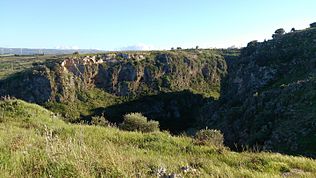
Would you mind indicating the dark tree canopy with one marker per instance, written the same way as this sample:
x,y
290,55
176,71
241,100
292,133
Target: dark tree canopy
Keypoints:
x,y
279,32
251,47
312,25
252,43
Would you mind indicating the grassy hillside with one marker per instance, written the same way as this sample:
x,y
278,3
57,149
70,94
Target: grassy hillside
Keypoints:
x,y
36,143
12,64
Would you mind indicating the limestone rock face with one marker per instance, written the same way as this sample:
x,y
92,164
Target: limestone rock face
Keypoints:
x,y
136,76
121,74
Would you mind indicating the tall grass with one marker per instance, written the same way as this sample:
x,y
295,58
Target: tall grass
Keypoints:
x,y
36,143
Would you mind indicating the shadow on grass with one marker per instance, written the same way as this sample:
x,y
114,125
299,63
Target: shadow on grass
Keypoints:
x,y
175,111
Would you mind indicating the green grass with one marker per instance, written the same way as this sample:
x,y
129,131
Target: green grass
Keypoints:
x,y
35,143
13,64
85,104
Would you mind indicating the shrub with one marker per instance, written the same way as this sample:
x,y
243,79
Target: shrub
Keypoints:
x,y
253,43
209,137
279,32
100,120
138,122
251,47
312,25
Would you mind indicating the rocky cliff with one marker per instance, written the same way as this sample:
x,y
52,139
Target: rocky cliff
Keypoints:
x,y
268,98
80,86
119,74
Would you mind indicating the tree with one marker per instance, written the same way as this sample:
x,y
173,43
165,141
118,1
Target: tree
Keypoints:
x,y
138,122
252,43
279,32
251,47
293,30
313,25
197,47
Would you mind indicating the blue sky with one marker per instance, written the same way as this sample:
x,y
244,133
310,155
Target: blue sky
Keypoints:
x,y
147,24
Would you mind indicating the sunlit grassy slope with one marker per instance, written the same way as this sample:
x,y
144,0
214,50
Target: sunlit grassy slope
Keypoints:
x,y
13,64
36,143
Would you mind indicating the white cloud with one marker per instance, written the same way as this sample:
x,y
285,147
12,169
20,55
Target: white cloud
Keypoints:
x,y
67,47
138,47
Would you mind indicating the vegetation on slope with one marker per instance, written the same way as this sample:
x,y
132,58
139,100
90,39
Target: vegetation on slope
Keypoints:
x,y
156,80
267,91
36,143
268,97
12,64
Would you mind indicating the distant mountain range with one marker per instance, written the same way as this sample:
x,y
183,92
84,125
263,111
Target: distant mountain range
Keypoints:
x,y
30,51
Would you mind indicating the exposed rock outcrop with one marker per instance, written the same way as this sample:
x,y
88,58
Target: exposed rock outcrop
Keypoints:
x,y
121,74
268,96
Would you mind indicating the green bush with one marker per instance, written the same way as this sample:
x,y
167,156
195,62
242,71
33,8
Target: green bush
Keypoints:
x,y
313,25
209,137
138,122
279,32
100,120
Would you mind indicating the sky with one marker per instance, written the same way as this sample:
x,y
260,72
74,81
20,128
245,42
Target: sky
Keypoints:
x,y
147,24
